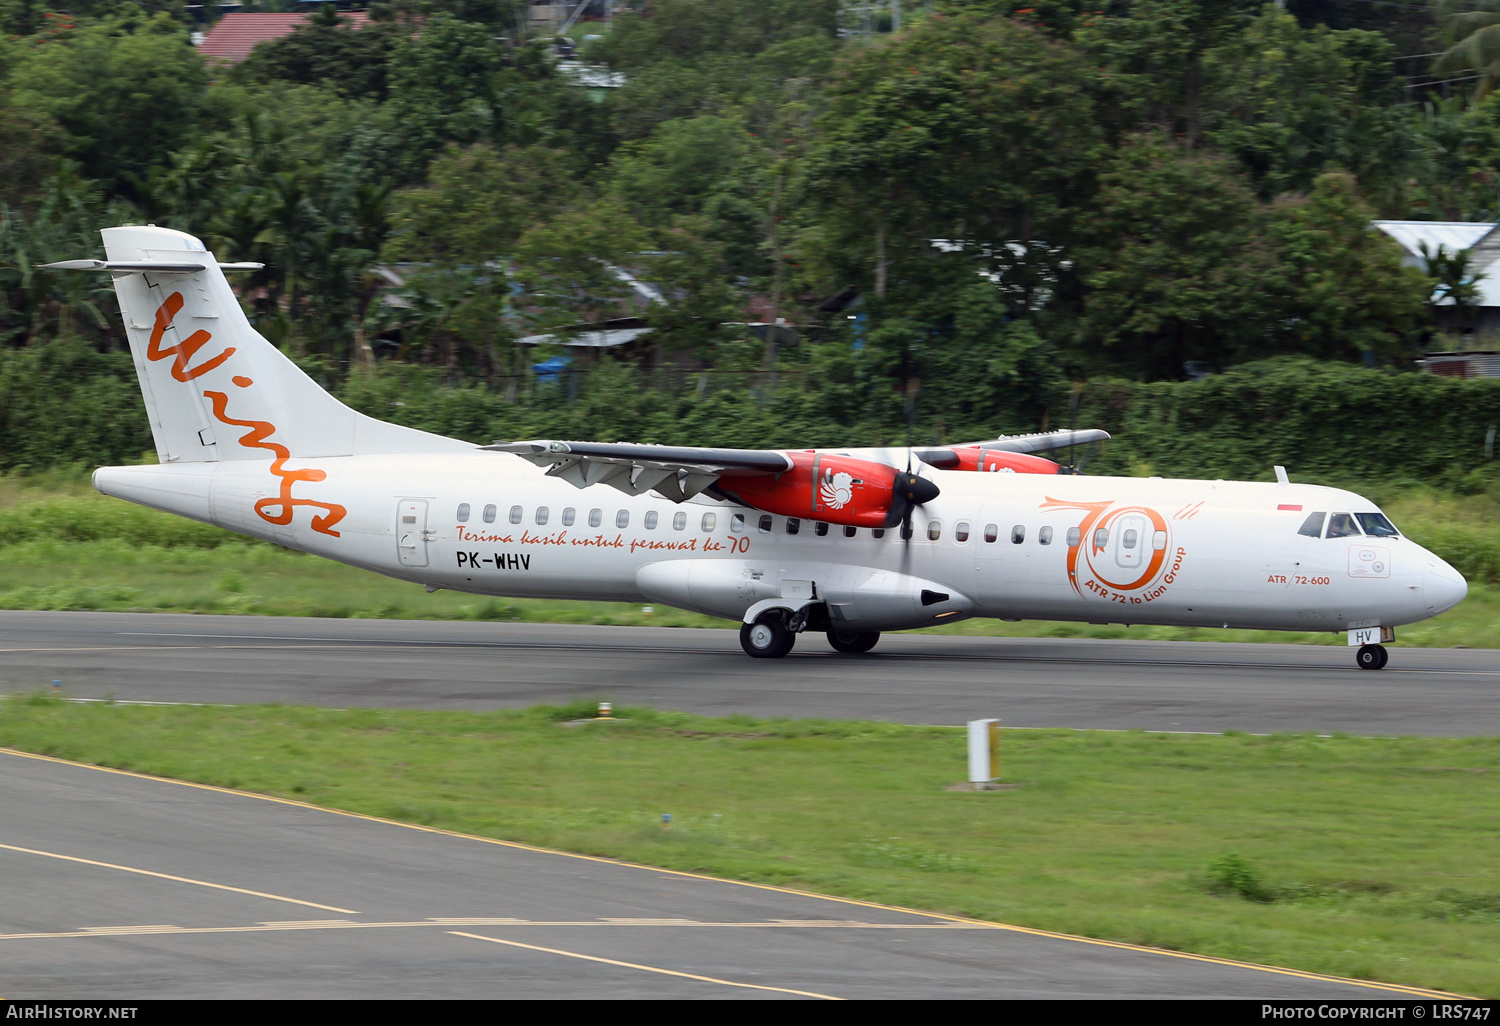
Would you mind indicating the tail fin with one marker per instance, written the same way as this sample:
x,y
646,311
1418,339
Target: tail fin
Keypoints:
x,y
215,389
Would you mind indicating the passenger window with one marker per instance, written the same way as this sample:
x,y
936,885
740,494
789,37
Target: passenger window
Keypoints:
x,y
1044,536
596,517
906,532
463,512
569,515
1159,540
651,520
515,514
991,532
820,529
850,532
679,521
961,531
489,514
934,530
1101,538
1313,525
1342,525
709,520
737,523
764,525
793,525
622,519
877,532
1075,535
1130,539
1376,525
541,515
1017,534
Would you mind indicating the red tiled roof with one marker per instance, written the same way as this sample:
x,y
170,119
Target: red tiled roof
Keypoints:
x,y
235,35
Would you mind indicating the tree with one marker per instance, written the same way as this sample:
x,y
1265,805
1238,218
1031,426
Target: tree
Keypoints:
x,y
1452,280
478,201
126,93
1179,266
442,83
966,128
1347,295
568,264
327,51
1472,32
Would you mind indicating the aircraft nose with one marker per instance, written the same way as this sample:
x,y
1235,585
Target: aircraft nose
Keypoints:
x,y
1444,586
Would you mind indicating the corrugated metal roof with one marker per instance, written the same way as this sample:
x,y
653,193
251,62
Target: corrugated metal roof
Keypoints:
x,y
1451,235
1454,236
590,339
236,35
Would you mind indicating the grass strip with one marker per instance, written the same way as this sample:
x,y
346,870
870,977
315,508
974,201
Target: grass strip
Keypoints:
x,y
1373,858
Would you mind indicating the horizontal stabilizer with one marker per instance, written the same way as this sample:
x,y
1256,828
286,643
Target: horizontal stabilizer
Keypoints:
x,y
142,266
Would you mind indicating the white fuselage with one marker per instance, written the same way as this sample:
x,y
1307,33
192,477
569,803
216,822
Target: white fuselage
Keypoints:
x,y
1142,551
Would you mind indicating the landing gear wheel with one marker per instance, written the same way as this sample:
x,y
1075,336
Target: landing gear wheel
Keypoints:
x,y
1372,657
767,638
853,642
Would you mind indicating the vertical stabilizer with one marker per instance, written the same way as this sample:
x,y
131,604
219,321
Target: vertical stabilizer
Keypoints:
x,y
214,388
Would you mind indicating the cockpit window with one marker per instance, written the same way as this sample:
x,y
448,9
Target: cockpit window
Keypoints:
x,y
1313,525
1376,525
1342,525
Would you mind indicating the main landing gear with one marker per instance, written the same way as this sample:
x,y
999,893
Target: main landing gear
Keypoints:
x,y
853,642
772,636
767,638
1372,657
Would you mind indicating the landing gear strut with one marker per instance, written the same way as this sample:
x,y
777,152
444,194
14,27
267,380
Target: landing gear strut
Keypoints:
x,y
1372,657
768,637
853,642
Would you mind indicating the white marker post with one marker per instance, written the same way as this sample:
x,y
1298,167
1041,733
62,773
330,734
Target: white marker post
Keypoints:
x,y
984,753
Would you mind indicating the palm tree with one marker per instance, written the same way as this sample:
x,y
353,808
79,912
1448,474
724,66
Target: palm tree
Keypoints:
x,y
1474,35
1452,279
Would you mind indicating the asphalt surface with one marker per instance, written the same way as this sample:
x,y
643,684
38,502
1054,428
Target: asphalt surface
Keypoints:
x,y
908,678
118,886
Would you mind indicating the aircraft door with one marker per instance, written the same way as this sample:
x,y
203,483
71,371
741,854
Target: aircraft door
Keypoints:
x,y
412,536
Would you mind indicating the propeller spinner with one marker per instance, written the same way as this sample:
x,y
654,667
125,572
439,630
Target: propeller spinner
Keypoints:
x,y
909,492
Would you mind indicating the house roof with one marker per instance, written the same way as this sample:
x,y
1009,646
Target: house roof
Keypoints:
x,y
236,35
1455,237
1451,235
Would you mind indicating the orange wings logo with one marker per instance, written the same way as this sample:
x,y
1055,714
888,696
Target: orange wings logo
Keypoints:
x,y
260,431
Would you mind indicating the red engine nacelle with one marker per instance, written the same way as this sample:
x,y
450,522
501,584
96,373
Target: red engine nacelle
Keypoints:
x,y
834,489
972,457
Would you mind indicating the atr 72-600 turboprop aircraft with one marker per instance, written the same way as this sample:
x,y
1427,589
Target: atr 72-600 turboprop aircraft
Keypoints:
x,y
848,542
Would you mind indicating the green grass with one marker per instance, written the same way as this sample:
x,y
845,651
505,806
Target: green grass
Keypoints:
x,y
1364,857
62,546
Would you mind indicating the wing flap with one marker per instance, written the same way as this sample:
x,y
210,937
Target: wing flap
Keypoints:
x,y
674,472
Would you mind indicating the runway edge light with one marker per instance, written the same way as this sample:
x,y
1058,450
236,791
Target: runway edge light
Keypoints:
x,y
984,753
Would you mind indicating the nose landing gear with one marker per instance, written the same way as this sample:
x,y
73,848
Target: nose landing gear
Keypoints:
x,y
1372,657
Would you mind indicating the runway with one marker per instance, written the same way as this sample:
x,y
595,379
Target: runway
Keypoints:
x,y
908,678
119,886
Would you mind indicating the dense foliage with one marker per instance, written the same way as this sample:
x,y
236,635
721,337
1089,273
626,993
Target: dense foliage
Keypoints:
x,y
1011,200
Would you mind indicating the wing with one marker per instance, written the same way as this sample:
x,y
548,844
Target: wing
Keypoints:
x,y
674,472
947,456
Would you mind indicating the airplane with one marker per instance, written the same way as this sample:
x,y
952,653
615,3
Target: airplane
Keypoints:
x,y
850,543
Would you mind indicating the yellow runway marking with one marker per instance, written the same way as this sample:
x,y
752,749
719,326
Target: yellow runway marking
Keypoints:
x,y
177,879
646,968
682,874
